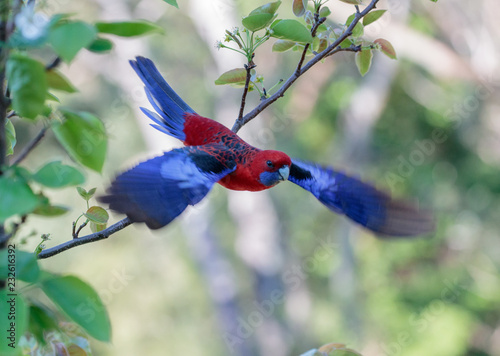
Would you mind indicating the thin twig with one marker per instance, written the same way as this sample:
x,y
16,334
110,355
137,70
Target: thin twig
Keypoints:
x,y
30,146
352,48
77,232
101,235
13,231
333,48
317,22
54,64
248,67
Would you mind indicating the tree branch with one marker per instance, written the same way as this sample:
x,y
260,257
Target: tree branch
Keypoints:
x,y
7,236
54,64
101,235
77,232
248,67
333,48
317,22
30,146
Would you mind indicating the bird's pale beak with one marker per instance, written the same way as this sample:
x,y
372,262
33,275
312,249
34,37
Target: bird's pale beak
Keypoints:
x,y
284,172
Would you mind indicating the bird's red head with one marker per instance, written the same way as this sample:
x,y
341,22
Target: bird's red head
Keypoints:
x,y
270,167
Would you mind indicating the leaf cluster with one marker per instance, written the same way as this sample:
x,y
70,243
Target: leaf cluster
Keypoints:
x,y
31,81
311,34
73,298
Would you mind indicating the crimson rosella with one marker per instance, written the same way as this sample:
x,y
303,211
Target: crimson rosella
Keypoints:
x,y
157,191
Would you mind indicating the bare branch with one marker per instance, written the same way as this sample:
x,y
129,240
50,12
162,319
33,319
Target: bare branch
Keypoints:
x,y
15,228
101,235
77,232
251,65
333,48
30,146
317,22
54,64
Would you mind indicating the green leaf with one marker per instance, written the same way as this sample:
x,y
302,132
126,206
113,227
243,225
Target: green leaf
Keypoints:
x,y
10,133
336,349
353,2
17,196
13,322
257,22
41,321
324,11
386,48
97,227
51,210
283,45
320,44
299,7
291,30
346,43
128,28
84,138
261,17
27,84
69,38
81,303
97,215
269,8
233,76
50,97
56,80
373,16
100,45
47,109
84,194
172,2
358,30
26,265
364,61
58,175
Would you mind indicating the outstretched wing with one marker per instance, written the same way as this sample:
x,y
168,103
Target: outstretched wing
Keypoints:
x,y
361,202
157,191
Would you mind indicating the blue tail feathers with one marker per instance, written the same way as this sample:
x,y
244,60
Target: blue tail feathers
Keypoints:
x,y
170,108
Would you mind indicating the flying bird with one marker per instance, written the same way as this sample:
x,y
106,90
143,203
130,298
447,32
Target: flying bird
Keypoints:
x,y
158,190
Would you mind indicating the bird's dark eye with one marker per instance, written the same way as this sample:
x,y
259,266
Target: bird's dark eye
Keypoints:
x,y
270,164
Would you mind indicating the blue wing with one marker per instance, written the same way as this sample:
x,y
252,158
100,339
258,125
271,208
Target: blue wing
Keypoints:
x,y
361,202
170,108
157,191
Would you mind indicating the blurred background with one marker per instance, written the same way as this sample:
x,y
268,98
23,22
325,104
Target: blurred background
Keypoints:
x,y
276,273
